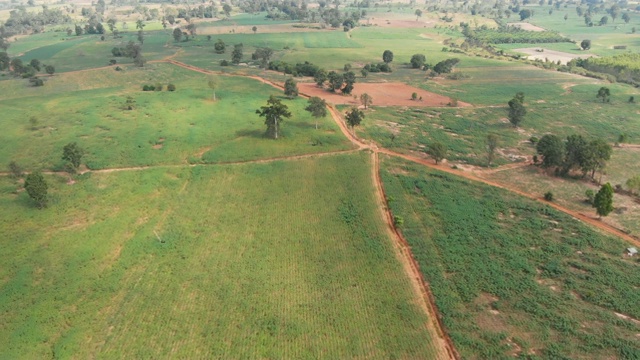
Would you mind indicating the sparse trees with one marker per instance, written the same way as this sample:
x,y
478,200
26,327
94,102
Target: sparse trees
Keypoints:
x,y
604,93
73,154
236,54
418,61
274,113
37,188
366,100
354,117
317,107
290,88
585,44
387,56
517,111
437,150
603,202
492,145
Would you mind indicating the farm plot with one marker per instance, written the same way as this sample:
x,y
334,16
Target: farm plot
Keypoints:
x,y
550,55
288,259
161,128
383,94
512,277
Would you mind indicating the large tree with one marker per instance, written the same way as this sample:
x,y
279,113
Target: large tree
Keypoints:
x,y
575,153
418,61
349,80
290,88
219,47
177,34
517,111
264,55
387,56
37,188
437,150
335,80
320,77
73,154
236,54
595,156
603,202
585,44
354,117
317,107
274,113
551,149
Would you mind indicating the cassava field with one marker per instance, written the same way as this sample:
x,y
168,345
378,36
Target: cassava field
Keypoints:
x,y
187,231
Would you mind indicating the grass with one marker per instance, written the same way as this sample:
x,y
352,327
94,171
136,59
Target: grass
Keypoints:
x,y
163,128
278,260
512,277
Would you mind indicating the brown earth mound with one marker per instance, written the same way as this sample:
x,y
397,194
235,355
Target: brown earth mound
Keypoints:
x,y
383,94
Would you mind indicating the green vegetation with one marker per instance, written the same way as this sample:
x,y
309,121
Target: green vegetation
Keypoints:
x,y
175,257
509,35
511,277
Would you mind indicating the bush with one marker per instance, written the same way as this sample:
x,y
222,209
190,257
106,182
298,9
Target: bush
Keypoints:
x,y
534,140
113,61
398,221
591,195
158,87
171,87
224,63
548,196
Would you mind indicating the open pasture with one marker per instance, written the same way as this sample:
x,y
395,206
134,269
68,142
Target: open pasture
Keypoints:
x,y
162,128
512,277
288,259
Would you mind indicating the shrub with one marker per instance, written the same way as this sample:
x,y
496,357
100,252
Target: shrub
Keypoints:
x,y
591,195
113,61
548,196
224,63
398,221
158,87
171,87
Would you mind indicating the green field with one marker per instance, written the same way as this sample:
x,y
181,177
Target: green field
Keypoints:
x,y
163,128
512,277
250,265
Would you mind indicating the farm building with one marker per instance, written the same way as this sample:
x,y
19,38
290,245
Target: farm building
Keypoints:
x,y
632,251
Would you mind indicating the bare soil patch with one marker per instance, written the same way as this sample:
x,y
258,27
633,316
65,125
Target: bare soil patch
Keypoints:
x,y
526,26
551,55
383,94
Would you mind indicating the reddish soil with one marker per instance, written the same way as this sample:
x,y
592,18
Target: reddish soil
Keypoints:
x,y
383,94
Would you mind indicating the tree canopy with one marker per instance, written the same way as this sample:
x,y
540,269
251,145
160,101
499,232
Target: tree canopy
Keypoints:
x,y
387,56
603,202
317,107
37,188
517,111
437,150
274,113
354,117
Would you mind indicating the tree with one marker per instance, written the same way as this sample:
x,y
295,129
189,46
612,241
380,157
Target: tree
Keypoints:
x,y
349,79
254,29
551,149
525,14
5,60
604,94
418,61
446,66
595,156
177,34
626,18
603,202
49,69
335,80
317,107
73,154
262,54
492,145
226,8
418,14
140,37
273,113
517,111
219,47
140,24
437,150
387,56
37,188
35,63
212,85
585,44
354,117
320,77
171,87
604,20
236,54
633,184
290,88
79,30
366,100
364,72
